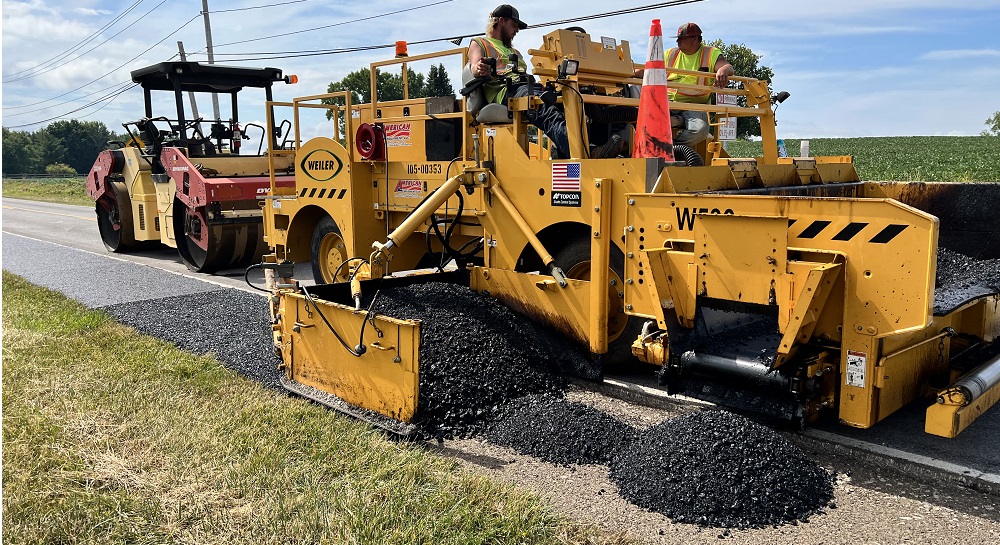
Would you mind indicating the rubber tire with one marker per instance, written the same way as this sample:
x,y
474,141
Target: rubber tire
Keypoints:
x,y
324,227
619,356
688,155
123,240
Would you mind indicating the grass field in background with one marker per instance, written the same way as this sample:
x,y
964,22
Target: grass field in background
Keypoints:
x,y
58,190
906,158
114,437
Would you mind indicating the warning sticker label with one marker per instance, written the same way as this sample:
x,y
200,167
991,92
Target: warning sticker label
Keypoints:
x,y
856,364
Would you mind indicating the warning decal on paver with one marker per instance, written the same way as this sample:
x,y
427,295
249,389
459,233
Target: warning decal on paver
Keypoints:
x,y
856,364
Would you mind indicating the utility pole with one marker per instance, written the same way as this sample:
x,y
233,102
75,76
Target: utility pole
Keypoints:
x,y
211,54
194,104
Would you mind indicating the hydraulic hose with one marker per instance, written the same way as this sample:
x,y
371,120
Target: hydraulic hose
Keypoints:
x,y
358,350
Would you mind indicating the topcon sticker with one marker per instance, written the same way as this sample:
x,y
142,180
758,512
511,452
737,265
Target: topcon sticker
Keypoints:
x,y
856,364
397,134
409,189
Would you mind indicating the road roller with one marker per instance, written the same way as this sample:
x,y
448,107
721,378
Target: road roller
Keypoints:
x,y
785,286
187,182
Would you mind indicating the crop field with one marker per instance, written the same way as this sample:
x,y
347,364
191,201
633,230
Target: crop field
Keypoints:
x,y
906,158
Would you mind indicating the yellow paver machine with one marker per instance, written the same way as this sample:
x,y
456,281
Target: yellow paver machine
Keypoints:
x,y
782,283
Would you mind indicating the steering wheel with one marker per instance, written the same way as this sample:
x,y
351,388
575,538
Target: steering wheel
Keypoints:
x,y
195,126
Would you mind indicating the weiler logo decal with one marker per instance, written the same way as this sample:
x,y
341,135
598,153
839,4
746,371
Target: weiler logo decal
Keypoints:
x,y
321,165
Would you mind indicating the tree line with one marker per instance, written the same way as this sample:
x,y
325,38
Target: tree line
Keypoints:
x,y
63,147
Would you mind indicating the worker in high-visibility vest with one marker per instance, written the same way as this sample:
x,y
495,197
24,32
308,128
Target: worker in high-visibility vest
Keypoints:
x,y
504,23
692,54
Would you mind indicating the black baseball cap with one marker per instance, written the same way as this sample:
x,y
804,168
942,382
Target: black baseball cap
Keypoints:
x,y
508,11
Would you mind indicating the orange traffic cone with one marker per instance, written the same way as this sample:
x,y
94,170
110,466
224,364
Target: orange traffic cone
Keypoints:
x,y
653,134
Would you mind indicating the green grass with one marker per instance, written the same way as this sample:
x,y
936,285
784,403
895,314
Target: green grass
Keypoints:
x,y
906,158
58,190
114,437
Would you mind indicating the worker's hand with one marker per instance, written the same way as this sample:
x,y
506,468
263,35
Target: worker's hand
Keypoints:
x,y
722,78
482,69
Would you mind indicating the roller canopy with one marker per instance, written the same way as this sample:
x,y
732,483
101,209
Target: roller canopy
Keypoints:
x,y
203,78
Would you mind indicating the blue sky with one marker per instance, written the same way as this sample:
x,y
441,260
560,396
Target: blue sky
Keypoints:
x,y
853,67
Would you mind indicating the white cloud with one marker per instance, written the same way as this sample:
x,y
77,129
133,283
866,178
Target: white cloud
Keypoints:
x,y
91,12
959,54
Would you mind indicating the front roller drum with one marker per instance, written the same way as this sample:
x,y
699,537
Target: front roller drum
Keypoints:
x,y
229,246
114,219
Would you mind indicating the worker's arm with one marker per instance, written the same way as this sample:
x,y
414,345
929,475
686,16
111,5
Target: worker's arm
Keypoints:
x,y
476,63
722,72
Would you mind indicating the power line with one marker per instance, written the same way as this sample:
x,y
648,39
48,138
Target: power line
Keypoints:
x,y
333,25
256,7
112,99
178,29
454,39
64,102
51,68
108,97
81,43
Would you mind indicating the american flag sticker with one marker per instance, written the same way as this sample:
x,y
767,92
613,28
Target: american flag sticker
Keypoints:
x,y
565,176
566,184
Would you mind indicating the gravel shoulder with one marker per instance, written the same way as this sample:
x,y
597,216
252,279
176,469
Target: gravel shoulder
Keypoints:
x,y
873,505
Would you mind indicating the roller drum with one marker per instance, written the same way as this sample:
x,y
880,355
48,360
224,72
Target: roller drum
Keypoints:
x,y
229,246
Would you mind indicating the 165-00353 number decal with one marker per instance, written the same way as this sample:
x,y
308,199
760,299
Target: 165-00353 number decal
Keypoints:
x,y
424,168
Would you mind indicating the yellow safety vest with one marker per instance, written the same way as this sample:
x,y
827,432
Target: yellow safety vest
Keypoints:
x,y
496,90
704,58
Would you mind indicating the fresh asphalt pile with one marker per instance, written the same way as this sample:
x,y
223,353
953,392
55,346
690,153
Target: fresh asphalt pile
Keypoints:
x,y
559,431
475,354
960,277
957,269
231,324
486,370
719,469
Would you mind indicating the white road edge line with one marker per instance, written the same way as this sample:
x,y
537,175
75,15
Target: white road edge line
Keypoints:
x,y
910,457
123,260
